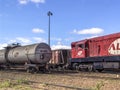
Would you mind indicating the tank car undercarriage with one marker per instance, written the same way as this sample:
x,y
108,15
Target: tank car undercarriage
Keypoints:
x,y
33,58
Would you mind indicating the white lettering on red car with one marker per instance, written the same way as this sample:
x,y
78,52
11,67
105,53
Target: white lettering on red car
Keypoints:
x,y
114,48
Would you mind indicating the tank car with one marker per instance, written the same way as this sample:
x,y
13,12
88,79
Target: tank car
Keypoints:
x,y
97,53
33,57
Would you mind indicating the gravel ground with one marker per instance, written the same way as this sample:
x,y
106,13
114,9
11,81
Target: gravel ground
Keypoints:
x,y
64,80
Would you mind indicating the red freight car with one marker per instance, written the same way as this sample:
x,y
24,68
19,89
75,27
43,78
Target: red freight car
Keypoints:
x,y
96,53
60,58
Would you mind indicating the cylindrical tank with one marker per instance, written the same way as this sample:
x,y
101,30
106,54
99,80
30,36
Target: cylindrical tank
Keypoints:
x,y
35,54
2,57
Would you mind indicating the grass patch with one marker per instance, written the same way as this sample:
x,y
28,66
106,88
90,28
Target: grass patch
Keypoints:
x,y
22,81
22,87
99,86
20,84
6,84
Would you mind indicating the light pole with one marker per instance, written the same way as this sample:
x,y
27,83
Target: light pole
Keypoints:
x,y
49,14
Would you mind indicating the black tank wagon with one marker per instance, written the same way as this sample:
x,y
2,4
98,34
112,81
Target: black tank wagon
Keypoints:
x,y
32,57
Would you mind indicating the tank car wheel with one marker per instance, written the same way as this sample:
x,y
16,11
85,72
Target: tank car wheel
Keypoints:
x,y
59,68
2,68
99,70
31,70
43,70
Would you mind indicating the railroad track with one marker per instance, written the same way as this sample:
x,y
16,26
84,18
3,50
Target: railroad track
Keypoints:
x,y
6,75
38,78
105,75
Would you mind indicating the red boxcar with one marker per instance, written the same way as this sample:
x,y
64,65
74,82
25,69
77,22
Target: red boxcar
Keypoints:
x,y
60,58
97,50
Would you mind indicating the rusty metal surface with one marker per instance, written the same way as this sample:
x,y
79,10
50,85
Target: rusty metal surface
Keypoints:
x,y
60,56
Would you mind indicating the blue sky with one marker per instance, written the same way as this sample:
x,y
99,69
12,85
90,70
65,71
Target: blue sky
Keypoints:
x,y
26,21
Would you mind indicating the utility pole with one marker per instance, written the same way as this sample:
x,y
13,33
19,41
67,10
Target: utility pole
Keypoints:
x,y
49,14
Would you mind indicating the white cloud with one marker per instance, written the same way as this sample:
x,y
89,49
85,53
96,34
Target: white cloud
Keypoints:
x,y
23,40
27,41
54,47
91,37
37,30
23,1
89,31
38,39
12,41
3,45
60,46
38,1
56,39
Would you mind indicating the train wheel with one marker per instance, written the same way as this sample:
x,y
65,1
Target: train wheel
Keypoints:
x,y
44,70
2,68
28,70
99,70
90,68
75,66
31,70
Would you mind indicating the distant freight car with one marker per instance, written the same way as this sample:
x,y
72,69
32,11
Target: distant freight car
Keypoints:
x,y
97,53
33,57
60,58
